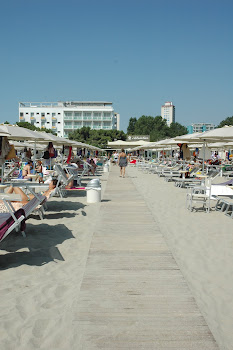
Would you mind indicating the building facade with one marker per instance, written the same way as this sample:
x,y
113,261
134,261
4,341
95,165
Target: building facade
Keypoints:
x,y
168,112
65,117
200,127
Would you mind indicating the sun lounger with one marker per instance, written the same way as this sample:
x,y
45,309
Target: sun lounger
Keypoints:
x,y
198,195
12,221
225,205
32,206
192,181
77,175
223,189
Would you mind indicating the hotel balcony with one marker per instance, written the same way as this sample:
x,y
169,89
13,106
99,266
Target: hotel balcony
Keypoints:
x,y
21,118
32,118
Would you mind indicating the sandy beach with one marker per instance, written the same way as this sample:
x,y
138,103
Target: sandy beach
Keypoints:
x,y
43,274
202,246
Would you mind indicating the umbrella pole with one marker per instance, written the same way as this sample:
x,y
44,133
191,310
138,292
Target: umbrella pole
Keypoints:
x,y
203,163
34,158
2,177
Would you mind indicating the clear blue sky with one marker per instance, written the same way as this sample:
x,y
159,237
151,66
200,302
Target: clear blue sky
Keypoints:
x,y
137,54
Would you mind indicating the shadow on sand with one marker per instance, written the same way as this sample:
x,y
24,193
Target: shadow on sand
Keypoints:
x,y
64,205
41,242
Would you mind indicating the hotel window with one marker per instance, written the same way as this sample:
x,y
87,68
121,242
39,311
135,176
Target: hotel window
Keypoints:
x,y
21,114
87,124
53,114
77,115
68,114
42,114
32,114
87,114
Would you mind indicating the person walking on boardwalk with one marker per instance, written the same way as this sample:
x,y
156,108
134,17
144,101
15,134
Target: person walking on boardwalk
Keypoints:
x,y
122,162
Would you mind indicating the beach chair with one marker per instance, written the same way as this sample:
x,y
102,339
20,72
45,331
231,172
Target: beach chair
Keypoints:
x,y
194,180
199,195
222,189
76,173
64,181
32,206
171,173
229,208
12,221
8,174
86,168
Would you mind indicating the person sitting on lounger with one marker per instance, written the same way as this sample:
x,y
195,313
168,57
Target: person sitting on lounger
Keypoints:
x,y
39,171
93,166
26,172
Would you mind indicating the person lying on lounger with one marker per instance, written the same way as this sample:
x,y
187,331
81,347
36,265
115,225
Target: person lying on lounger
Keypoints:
x,y
26,198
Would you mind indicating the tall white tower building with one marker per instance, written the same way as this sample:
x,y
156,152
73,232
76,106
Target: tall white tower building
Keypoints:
x,y
65,117
168,112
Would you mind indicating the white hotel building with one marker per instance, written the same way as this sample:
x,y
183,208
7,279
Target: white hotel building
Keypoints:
x,y
168,112
65,117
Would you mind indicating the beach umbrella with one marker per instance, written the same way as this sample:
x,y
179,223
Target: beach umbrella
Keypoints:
x,y
20,134
220,134
189,138
4,133
126,144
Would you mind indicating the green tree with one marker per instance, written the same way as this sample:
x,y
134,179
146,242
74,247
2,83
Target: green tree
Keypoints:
x,y
156,127
34,128
131,127
177,129
160,130
97,138
6,122
227,121
144,125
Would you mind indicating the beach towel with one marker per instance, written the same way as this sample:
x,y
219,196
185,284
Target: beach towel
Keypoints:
x,y
8,223
76,188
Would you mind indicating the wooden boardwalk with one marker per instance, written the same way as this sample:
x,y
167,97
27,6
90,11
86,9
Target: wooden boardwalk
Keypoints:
x,y
133,295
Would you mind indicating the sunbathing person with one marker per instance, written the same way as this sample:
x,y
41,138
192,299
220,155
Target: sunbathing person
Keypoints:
x,y
26,172
39,171
93,166
26,198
